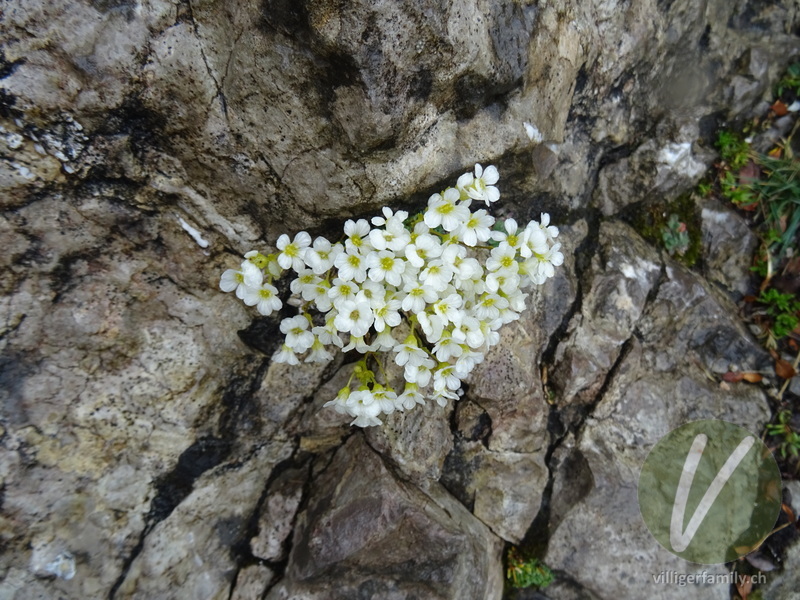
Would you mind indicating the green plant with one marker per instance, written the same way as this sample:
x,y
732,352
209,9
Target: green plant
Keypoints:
x,y
734,150
779,191
675,236
790,81
523,573
790,442
783,308
741,194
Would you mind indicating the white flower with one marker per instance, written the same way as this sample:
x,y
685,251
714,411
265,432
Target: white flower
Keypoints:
x,y
476,228
535,240
373,293
445,210
305,283
298,338
503,258
488,308
447,348
384,265
292,253
444,377
356,231
342,290
432,325
469,331
318,353
449,308
417,297
286,355
351,265
419,373
388,216
264,298
358,343
441,396
424,247
328,334
385,397
409,353
466,362
354,317
386,313
362,405
503,281
384,341
544,224
233,280
395,236
321,255
512,235
540,266
481,186
318,294
436,275
410,397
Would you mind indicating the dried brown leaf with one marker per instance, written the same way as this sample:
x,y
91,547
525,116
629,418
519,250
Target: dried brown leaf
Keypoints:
x,y
784,369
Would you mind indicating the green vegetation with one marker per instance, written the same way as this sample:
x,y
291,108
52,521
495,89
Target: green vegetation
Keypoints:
x,y
734,150
523,573
790,81
779,194
675,236
784,310
789,439
674,224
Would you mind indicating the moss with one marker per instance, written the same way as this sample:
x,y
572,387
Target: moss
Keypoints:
x,y
651,220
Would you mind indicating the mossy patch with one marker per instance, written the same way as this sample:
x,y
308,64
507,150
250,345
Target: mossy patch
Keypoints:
x,y
652,219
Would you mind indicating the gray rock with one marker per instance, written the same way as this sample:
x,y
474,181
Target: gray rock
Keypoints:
x,y
785,585
145,145
728,246
368,534
276,519
623,272
252,582
663,381
187,555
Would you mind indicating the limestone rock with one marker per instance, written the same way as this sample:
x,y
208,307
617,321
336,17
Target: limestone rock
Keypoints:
x,y
623,272
728,247
187,555
277,515
144,146
366,533
663,381
252,582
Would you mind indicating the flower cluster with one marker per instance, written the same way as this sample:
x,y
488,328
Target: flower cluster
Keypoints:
x,y
452,273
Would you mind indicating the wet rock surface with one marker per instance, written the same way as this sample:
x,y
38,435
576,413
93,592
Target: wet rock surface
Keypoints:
x,y
147,450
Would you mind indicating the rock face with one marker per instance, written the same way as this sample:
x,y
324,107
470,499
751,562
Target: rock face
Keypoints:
x,y
146,450
363,527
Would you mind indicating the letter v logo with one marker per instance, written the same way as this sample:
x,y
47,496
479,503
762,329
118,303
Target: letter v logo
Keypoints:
x,y
678,538
709,491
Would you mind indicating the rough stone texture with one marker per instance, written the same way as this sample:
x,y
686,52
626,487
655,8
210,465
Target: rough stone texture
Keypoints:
x,y
277,515
188,554
623,272
145,145
664,379
378,537
252,582
786,586
728,244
